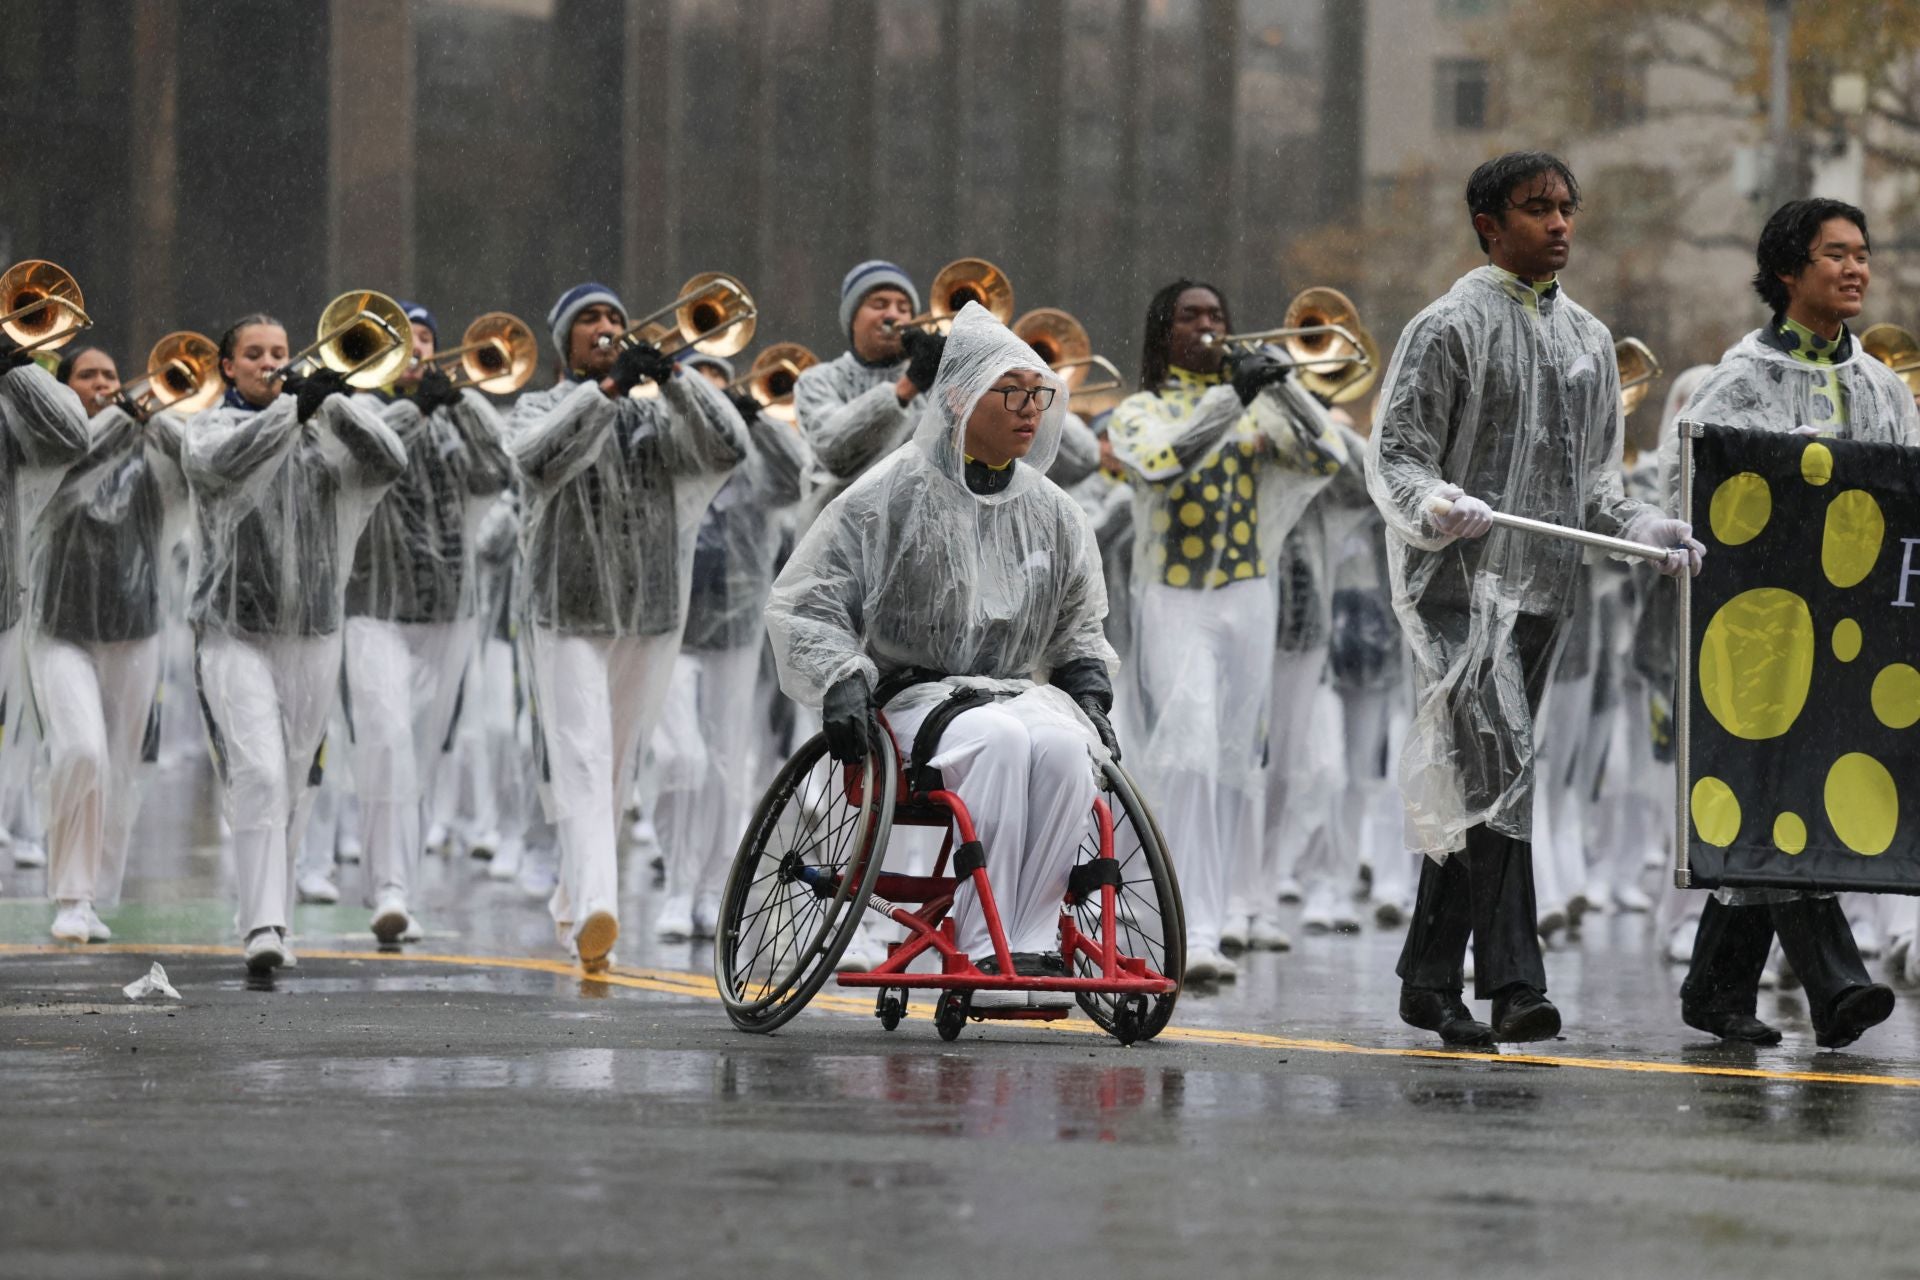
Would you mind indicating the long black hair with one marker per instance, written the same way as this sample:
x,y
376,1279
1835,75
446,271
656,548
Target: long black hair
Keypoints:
x,y
1786,245
1154,359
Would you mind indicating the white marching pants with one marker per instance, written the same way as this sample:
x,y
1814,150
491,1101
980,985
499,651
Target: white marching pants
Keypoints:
x,y
1206,666
1305,776
599,698
267,701
95,700
1026,778
1370,813
403,679
706,786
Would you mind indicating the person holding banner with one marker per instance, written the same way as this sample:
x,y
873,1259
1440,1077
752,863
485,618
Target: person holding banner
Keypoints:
x,y
1802,373
1501,396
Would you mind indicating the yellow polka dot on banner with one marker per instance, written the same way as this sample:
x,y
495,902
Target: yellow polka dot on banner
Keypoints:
x,y
1756,662
1243,570
1218,541
1896,696
1244,486
1161,522
1716,812
1855,529
1211,493
1178,491
1179,576
1242,532
1191,547
1230,465
1846,640
1216,577
1789,833
1741,507
1192,514
1816,463
1862,803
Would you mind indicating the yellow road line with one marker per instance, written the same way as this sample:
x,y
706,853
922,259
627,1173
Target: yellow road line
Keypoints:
x,y
681,982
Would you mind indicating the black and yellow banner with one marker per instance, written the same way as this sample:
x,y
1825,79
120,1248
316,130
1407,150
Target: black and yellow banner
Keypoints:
x,y
1804,750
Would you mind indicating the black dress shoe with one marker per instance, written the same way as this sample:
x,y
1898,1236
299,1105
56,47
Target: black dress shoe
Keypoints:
x,y
1855,1009
1520,1013
1443,1011
1743,1027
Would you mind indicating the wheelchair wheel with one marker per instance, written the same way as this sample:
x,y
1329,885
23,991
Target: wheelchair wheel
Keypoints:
x,y
799,883
1149,921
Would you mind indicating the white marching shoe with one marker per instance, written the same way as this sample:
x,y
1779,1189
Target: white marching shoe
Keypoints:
x,y
97,930
70,923
506,861
318,888
1322,908
1633,899
266,951
1209,964
706,915
1236,933
675,921
1265,934
28,853
390,919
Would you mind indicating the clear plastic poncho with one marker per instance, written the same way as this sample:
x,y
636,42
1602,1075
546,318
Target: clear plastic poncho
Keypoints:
x,y
43,431
909,568
278,506
612,493
100,549
1515,399
1758,387
414,562
734,552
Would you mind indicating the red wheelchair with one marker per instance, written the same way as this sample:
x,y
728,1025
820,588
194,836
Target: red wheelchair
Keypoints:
x,y
811,864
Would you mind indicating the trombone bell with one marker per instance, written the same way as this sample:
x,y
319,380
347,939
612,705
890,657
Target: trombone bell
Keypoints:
x,y
44,306
714,314
497,354
183,374
962,281
364,336
771,379
1055,336
1638,368
1896,348
1335,356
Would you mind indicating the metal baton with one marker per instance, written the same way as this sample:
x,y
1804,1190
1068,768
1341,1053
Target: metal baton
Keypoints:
x,y
1616,546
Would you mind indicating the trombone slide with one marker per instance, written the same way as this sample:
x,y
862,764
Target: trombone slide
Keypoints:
x,y
1546,528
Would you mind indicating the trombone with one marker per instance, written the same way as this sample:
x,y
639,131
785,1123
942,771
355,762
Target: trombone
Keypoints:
x,y
1062,343
44,306
363,335
497,355
714,314
1638,368
1336,356
1897,349
962,281
771,379
183,374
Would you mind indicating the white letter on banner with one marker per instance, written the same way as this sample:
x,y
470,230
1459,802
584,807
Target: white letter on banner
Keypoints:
x,y
1907,572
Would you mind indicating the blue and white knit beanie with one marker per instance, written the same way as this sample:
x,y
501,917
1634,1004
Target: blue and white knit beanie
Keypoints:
x,y
420,315
864,279
575,300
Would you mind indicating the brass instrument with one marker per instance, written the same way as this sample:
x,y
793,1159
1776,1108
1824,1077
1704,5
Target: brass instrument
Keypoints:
x,y
363,335
1638,368
44,306
183,374
771,379
1062,342
1337,358
962,281
1897,349
714,314
497,354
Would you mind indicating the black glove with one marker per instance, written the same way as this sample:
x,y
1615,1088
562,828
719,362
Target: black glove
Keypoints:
x,y
1254,372
314,388
748,407
434,389
640,361
1085,680
846,716
11,356
1101,725
923,356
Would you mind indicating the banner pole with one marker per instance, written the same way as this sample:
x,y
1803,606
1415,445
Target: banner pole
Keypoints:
x,y
1683,678
1546,528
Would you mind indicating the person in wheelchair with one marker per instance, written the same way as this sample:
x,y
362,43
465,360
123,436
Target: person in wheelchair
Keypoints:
x,y
958,578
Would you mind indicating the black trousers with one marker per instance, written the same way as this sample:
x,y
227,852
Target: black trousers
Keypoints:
x,y
1487,889
1730,950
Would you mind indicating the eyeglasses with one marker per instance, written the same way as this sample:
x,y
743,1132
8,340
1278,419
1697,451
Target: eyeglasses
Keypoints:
x,y
1018,398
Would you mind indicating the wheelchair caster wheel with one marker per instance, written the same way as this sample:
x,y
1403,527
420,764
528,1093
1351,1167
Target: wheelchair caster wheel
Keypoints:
x,y
1130,1019
950,1015
890,1010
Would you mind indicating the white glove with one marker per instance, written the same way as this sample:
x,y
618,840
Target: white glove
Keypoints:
x,y
1804,430
1458,516
1674,536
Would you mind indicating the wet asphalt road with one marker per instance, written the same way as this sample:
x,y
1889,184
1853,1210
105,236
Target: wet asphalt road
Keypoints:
x,y
383,1116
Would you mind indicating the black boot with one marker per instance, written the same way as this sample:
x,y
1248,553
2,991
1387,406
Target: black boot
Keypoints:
x,y
1443,1011
1729,1026
1856,1009
1522,1013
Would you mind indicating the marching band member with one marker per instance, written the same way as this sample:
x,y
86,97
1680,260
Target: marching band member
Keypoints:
x,y
94,648
1504,395
1801,373
704,803
1223,459
615,488
282,475
411,605
956,557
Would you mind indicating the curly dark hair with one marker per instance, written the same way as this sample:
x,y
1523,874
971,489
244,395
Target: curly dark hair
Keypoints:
x,y
1490,187
1154,358
1786,244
